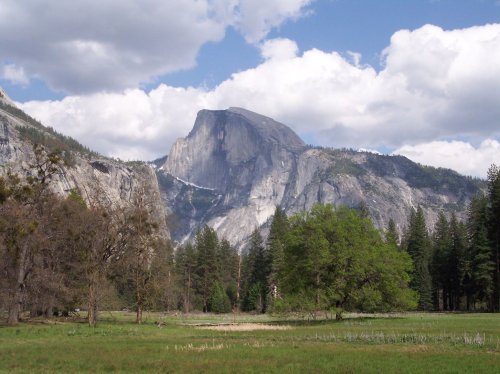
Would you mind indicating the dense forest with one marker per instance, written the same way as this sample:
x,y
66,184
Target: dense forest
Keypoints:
x,y
59,256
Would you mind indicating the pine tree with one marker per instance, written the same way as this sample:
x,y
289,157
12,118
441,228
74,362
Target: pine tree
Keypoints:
x,y
229,261
419,247
439,267
457,261
479,266
219,301
208,264
494,231
275,244
391,234
185,266
255,282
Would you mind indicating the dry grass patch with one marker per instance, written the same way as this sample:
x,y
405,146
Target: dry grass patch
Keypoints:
x,y
242,327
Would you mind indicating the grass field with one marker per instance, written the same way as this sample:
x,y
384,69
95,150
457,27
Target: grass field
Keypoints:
x,y
406,343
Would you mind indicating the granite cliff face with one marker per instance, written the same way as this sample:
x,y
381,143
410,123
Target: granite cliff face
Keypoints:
x,y
235,166
95,178
232,170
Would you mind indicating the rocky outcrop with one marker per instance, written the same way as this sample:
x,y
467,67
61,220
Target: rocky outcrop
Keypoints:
x,y
243,161
235,166
97,179
5,99
232,170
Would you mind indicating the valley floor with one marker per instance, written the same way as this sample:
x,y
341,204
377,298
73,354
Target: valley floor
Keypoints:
x,y
402,343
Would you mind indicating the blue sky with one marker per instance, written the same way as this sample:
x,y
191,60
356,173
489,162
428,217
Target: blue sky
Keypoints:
x,y
126,78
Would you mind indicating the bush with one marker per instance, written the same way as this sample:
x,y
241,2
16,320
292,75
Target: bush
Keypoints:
x,y
219,300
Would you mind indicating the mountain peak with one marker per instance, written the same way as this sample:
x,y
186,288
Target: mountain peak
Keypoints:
x,y
269,130
5,99
222,143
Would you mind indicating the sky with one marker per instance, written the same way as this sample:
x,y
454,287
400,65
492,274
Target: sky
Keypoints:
x,y
419,78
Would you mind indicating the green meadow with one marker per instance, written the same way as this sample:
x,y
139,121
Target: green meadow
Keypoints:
x,y
402,343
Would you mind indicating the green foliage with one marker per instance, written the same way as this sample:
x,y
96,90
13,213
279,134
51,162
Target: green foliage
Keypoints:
x,y
494,231
418,246
344,165
391,234
336,260
255,274
76,197
219,301
204,268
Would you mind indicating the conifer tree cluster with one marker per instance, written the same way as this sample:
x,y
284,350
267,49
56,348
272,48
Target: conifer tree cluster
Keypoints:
x,y
457,268
207,274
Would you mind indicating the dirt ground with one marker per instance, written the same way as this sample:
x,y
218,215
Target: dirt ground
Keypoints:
x,y
243,327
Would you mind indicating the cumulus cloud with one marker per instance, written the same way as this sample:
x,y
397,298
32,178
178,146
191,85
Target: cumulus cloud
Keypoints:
x,y
131,125
457,155
14,74
435,84
280,49
257,17
84,46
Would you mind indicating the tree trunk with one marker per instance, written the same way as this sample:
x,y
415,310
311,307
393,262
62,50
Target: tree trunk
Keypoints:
x,y
16,299
238,283
138,315
338,311
187,307
92,305
317,290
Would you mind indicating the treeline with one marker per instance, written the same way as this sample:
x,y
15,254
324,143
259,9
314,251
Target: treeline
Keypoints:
x,y
59,255
333,260
457,267
327,260
47,136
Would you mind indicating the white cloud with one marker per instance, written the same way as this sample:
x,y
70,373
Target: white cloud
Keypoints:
x,y
457,155
131,125
258,17
14,74
436,84
84,46
279,49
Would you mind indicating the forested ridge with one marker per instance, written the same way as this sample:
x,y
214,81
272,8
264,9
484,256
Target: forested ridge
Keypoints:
x,y
58,256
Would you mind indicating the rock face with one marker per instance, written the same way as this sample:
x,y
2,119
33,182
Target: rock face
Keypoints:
x,y
232,170
235,166
239,163
95,178
5,99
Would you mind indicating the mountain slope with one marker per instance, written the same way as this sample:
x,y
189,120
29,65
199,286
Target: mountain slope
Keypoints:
x,y
235,166
95,178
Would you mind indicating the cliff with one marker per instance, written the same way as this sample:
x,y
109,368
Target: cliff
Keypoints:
x,y
235,166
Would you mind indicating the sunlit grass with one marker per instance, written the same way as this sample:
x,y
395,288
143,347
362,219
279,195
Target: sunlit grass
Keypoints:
x,y
176,343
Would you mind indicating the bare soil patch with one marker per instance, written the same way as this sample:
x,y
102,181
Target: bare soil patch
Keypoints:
x,y
243,327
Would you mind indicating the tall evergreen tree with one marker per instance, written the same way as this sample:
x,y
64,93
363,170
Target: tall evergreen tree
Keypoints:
x,y
440,265
479,265
229,261
275,244
185,266
457,261
391,234
255,282
494,231
208,266
419,247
